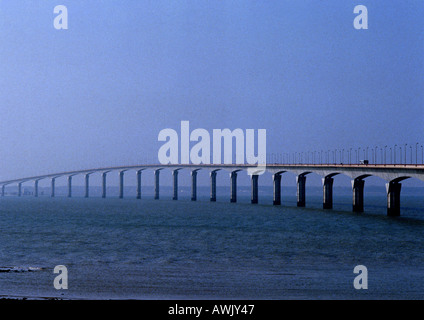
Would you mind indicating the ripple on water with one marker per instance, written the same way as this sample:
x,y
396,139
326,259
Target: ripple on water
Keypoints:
x,y
19,269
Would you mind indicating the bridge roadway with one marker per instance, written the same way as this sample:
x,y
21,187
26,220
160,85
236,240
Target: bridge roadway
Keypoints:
x,y
392,174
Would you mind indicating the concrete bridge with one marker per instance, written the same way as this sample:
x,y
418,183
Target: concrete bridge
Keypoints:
x,y
393,174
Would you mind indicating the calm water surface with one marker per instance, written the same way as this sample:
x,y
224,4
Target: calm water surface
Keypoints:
x,y
127,248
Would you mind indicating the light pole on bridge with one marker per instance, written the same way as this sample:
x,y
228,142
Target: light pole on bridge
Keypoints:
x,y
405,153
358,155
416,154
381,151
375,154
394,153
385,159
391,162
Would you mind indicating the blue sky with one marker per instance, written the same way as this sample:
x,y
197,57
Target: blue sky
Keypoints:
x,y
98,93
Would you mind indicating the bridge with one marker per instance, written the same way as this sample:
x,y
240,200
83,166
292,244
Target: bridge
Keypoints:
x,y
393,174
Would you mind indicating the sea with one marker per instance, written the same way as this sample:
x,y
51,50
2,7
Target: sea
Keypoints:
x,y
163,249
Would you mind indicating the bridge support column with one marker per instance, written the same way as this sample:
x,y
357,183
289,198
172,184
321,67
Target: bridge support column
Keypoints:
x,y
87,185
19,189
139,184
69,186
36,188
358,195
233,176
327,186
53,187
213,186
277,189
301,182
175,176
194,185
157,172
121,184
393,198
104,184
254,180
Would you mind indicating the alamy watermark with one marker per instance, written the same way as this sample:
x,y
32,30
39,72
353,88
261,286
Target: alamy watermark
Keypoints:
x,y
361,280
361,20
61,281
61,20
176,149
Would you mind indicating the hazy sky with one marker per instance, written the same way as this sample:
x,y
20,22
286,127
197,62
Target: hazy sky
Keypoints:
x,y
98,93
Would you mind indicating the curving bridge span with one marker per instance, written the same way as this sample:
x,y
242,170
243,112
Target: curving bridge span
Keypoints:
x,y
393,174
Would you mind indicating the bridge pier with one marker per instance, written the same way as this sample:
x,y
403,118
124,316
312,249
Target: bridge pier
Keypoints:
x,y
393,198
175,176
35,188
358,195
254,180
301,182
121,184
327,186
277,189
194,185
213,186
157,172
104,184
233,176
19,189
52,194
87,185
69,186
139,184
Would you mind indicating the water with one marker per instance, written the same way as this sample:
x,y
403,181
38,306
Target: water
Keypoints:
x,y
132,249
